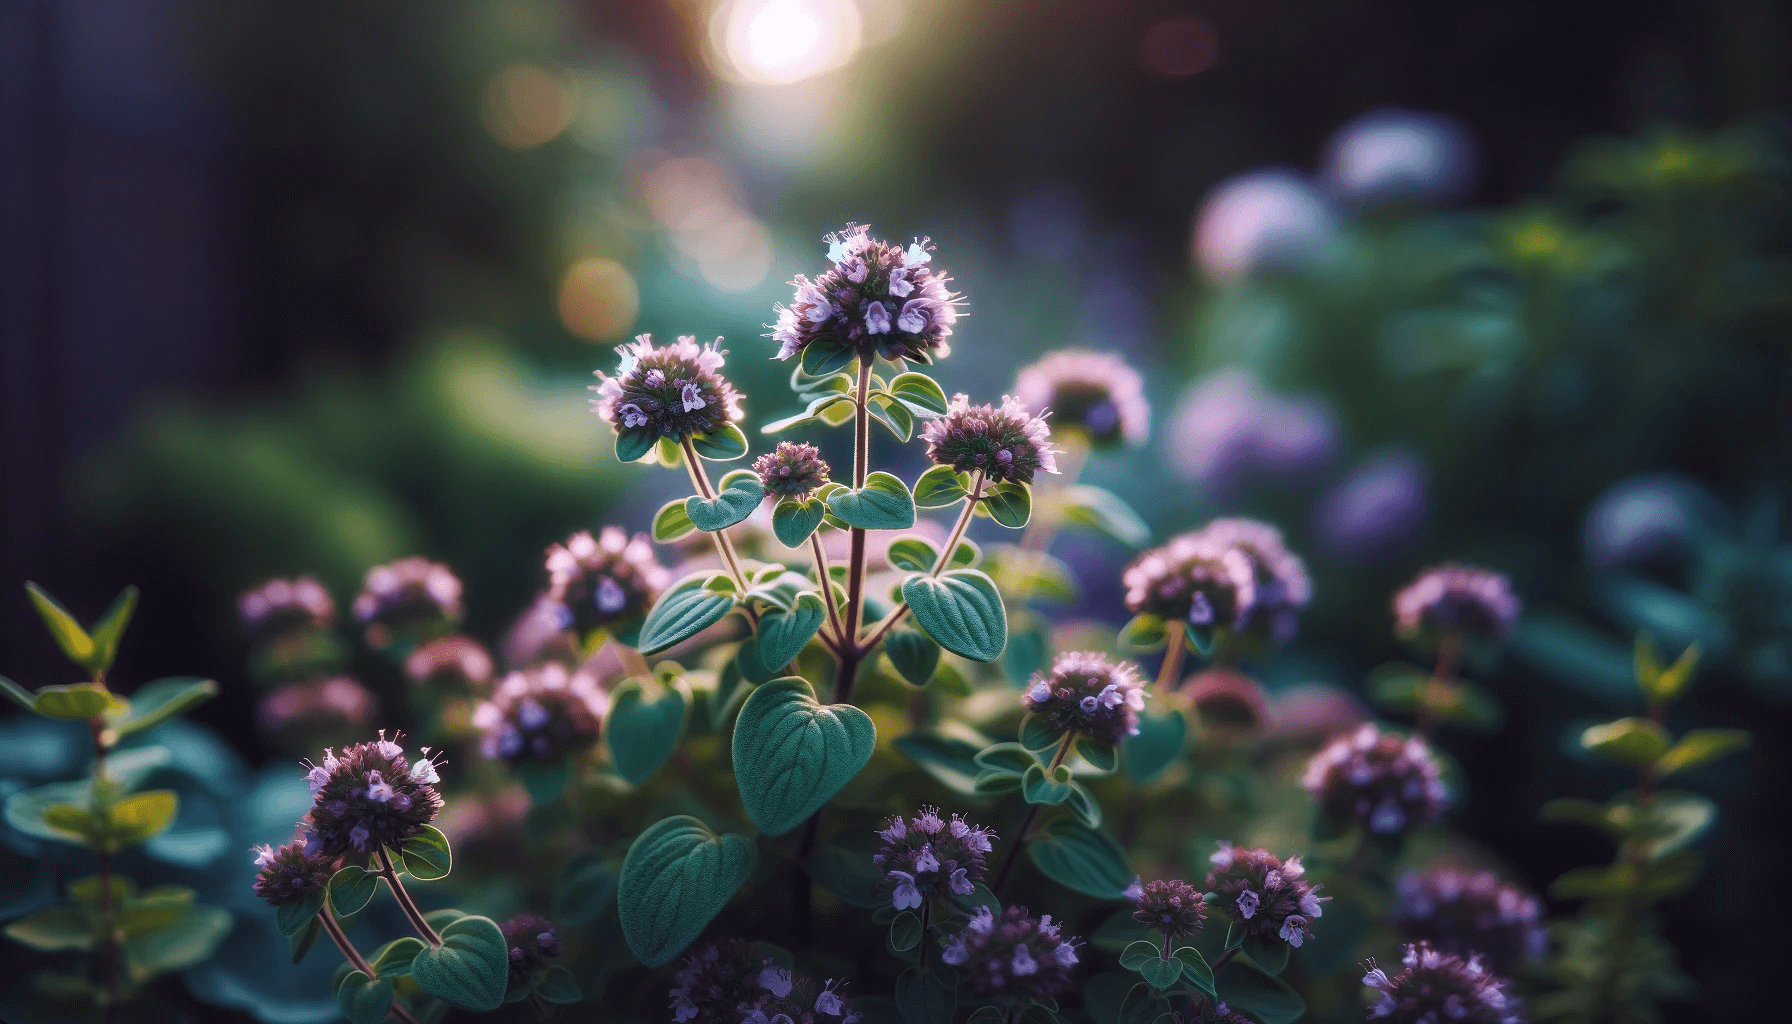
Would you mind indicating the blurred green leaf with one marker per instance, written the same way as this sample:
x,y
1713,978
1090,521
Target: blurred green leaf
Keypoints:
x,y
1102,510
68,633
949,760
53,929
643,727
109,630
156,702
188,940
1664,685
1700,746
79,701
141,817
586,890
1078,857
1144,632
18,694
1636,742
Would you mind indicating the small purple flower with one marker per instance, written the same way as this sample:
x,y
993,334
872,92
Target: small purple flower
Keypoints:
x,y
1282,588
1388,782
927,856
1088,694
1465,912
598,582
410,598
1265,895
371,797
1457,598
1436,987
1006,443
675,390
876,299
541,715
1096,393
791,470
724,983
278,606
1172,906
1012,958
292,871
1194,579
531,942
877,319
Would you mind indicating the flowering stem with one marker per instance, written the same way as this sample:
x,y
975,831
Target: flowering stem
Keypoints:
x,y
1166,952
964,521
1443,674
355,959
724,546
855,574
405,903
1224,959
826,578
1170,672
926,913
1026,823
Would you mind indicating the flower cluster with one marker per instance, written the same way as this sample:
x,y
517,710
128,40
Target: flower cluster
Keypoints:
x,y
411,595
1173,907
1265,895
1453,598
541,715
1281,585
1007,443
290,872
371,797
674,391
1438,987
1386,781
791,470
1012,957
1193,579
457,659
927,856
531,942
279,605
317,705
723,983
597,582
1088,694
875,299
1095,392
1463,913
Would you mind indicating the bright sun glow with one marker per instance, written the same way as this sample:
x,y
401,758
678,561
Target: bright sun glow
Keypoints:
x,y
782,41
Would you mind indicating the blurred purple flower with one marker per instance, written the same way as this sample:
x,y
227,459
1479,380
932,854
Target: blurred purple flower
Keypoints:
x,y
1228,426
1376,511
1644,516
1395,155
1261,220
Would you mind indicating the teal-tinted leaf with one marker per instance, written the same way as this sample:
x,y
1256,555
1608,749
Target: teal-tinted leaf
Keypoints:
x,y
949,760
1701,745
469,969
735,500
300,943
67,633
1271,954
54,929
109,630
364,1000
1082,803
189,940
1159,973
633,445
1077,857
558,986
925,998
141,817
792,753
1102,510
821,358
426,855
960,609
544,781
783,635
586,890
1027,649
395,957
31,812
1011,758
912,553
643,727
1138,952
893,415
905,932
1264,996
1041,788
293,917
351,889
919,392
677,876
724,444
882,504
1143,1005
1009,503
1157,745
941,486
1037,734
79,701
1101,755
914,654
156,702
672,522
1144,632
793,521
849,877
1195,970
682,612
1635,742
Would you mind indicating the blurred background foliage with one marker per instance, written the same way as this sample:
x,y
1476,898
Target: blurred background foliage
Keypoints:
x,y
306,287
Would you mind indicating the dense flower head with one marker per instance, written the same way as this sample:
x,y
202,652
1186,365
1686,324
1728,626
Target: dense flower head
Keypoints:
x,y
1171,906
450,659
1201,1010
791,470
724,983
1438,988
291,872
594,582
531,942
541,714
1006,443
411,595
1096,392
1457,598
1282,586
1467,912
1012,956
876,298
1193,579
1388,782
1088,694
928,855
371,796
676,390
279,605
1264,895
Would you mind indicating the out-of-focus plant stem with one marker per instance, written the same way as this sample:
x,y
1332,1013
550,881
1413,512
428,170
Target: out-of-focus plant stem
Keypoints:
x,y
1026,823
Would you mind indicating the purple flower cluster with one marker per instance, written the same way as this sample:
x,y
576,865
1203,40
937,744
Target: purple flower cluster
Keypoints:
x,y
1087,694
597,582
676,391
1193,579
1388,782
1454,598
1006,443
459,660
292,871
1468,912
791,470
723,983
1436,987
320,705
412,596
1095,392
1202,1011
928,856
1172,906
541,714
531,942
875,298
371,797
1013,957
280,605
1282,586
1265,895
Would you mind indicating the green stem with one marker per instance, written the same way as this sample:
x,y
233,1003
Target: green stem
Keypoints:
x,y
355,959
1225,958
1026,824
108,917
824,576
405,903
724,546
1170,672
861,468
926,912
945,558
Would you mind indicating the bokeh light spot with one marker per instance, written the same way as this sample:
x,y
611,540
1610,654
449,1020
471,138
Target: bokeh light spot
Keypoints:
x,y
528,105
599,300
781,41
1180,47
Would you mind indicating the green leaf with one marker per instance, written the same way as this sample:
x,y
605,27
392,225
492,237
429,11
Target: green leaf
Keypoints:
x,y
68,633
87,890
793,521
426,855
848,876
1041,788
351,889
914,655
672,522
558,986
1082,803
1010,504
919,392
364,1000
1144,632
1702,745
293,917
893,415
1037,734
586,889
941,486
1651,881
1101,755
1195,969
737,498
1027,649
395,957
1161,974
545,781
300,943
189,940
109,630
912,553
683,611
632,445
141,817
676,877
54,929
1143,1005
792,753
1011,758
157,908
1269,954
1077,857
18,694
1659,685
821,358
156,702
925,998
72,820
1672,820
783,635
470,968
1629,741
1266,997
960,609
79,700
882,504
1157,745
949,760
1138,952
1102,510
905,932
643,727
724,444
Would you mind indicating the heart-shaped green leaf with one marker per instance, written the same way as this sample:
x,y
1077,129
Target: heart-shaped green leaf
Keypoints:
x,y
586,889
1085,859
676,877
724,444
351,889
293,917
1160,973
914,654
882,504
793,521
941,486
643,726
792,753
783,635
1042,788
1010,504
925,998
395,957
1138,952
1264,996
672,522
1195,969
688,608
736,499
962,610
469,969
632,445
426,855
919,392
1157,745
79,700
365,1000
558,986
